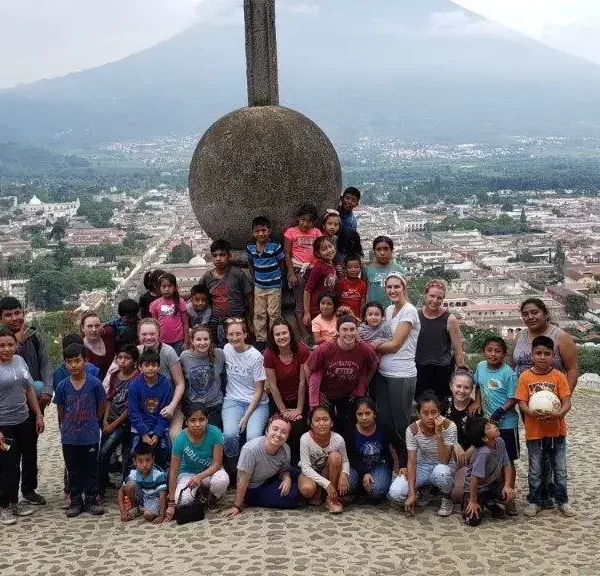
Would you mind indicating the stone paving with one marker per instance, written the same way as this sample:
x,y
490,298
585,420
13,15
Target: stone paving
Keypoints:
x,y
363,540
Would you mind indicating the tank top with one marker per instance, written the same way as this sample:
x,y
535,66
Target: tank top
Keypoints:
x,y
434,346
522,353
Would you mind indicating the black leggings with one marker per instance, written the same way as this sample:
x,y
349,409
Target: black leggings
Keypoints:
x,y
436,378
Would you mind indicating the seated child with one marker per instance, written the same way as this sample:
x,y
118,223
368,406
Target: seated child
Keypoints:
x,y
459,409
124,328
324,326
545,432
198,306
352,289
145,490
490,476
196,461
374,330
116,429
149,393
496,386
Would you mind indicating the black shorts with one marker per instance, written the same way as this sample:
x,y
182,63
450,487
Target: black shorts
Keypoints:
x,y
511,441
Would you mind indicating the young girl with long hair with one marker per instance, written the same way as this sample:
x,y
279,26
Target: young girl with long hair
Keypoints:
x,y
170,312
322,277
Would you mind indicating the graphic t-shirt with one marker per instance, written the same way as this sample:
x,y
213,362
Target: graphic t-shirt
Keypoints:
x,y
322,279
375,278
302,245
461,418
487,464
196,458
351,292
229,293
497,386
118,390
371,448
203,378
529,384
170,318
344,372
288,375
243,370
80,425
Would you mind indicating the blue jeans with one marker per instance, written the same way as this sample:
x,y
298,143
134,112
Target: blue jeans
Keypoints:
x,y
382,480
162,450
556,450
267,495
121,436
438,475
233,412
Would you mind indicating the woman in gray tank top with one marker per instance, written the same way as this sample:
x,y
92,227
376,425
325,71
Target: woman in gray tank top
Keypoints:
x,y
439,348
537,321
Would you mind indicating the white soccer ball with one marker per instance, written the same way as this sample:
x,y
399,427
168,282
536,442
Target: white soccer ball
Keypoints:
x,y
545,401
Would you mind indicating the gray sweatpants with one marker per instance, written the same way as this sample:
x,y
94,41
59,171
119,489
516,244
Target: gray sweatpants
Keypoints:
x,y
394,398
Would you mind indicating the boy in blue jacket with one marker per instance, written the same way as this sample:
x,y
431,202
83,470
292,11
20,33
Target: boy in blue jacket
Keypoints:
x,y
149,393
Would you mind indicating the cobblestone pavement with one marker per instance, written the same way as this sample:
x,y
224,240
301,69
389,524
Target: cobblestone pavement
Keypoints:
x,y
362,541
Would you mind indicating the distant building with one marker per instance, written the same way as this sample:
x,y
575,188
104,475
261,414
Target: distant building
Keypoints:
x,y
53,211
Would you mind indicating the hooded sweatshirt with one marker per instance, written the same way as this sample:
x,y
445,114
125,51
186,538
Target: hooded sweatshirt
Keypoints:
x,y
33,350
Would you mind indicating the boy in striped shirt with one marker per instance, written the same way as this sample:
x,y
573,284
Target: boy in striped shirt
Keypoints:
x,y
266,260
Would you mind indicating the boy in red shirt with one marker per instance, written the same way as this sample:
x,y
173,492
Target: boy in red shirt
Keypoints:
x,y
352,289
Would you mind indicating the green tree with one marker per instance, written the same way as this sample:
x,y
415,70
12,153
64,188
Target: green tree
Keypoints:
x,y
477,338
588,360
50,289
37,240
52,327
123,265
506,207
59,230
62,255
576,306
181,254
560,260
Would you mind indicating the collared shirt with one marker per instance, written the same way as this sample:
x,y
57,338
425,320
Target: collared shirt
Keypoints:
x,y
266,265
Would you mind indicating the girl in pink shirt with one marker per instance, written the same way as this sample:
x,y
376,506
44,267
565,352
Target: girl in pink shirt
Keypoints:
x,y
324,326
299,257
322,277
170,312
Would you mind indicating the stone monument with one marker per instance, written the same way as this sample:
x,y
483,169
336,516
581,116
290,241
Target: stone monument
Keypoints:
x,y
264,159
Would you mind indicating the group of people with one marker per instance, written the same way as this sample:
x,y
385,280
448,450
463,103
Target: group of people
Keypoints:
x,y
216,389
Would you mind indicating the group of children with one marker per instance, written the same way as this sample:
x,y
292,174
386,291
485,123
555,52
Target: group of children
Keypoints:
x,y
194,356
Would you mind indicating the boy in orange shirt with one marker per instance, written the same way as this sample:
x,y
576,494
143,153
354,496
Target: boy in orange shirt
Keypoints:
x,y
545,432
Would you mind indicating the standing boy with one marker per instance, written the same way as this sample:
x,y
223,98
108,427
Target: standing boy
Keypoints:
x,y
545,432
496,388
490,476
352,289
231,290
80,400
348,201
266,260
149,393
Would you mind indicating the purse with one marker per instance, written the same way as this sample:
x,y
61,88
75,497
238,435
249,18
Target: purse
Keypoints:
x,y
190,511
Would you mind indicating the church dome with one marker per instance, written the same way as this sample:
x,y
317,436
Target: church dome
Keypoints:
x,y
197,261
35,201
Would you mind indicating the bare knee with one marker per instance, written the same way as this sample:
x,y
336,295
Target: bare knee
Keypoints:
x,y
306,486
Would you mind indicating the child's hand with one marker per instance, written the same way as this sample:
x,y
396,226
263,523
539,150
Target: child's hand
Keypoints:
x,y
306,319
367,482
147,439
193,482
508,494
473,509
285,486
158,520
231,512
243,423
170,512
331,491
547,416
539,414
410,503
292,280
343,485
439,429
293,415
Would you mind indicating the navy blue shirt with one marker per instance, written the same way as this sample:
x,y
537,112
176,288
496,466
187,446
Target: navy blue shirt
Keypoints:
x,y
80,424
266,265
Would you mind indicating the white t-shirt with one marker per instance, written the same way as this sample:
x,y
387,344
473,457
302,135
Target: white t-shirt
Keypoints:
x,y
243,370
401,364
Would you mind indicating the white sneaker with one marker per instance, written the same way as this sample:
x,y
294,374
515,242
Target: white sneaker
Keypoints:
x,y
21,509
446,506
531,510
567,510
7,516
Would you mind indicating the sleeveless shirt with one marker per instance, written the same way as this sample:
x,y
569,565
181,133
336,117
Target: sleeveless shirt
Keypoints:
x,y
522,353
434,346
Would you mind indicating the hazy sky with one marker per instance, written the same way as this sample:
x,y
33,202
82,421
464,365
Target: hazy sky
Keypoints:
x,y
45,38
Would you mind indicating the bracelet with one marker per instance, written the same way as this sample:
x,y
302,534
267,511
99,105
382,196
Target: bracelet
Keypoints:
x,y
39,415
240,508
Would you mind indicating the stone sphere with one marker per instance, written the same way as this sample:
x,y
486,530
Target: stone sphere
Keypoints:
x,y
261,161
